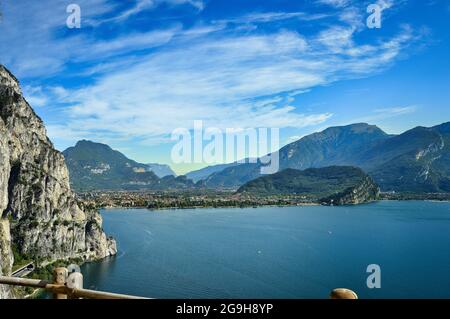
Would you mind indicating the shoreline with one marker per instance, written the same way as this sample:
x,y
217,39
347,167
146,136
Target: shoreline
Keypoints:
x,y
312,204
175,201
206,207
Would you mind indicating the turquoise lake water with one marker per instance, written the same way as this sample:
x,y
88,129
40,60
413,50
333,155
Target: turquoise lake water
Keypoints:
x,y
272,252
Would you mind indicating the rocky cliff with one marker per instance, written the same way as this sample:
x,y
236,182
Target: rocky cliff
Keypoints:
x,y
416,161
96,166
363,192
6,256
39,214
334,185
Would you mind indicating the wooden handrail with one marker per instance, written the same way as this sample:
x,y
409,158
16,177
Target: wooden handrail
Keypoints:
x,y
63,289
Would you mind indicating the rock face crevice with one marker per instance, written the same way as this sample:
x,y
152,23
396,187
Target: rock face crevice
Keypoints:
x,y
334,185
12,180
364,192
39,212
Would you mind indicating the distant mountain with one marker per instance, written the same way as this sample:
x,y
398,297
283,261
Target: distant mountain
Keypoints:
x,y
207,171
41,221
232,177
415,161
336,185
161,170
95,166
333,146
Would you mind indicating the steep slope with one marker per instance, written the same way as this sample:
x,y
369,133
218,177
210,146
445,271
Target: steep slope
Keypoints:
x,y
233,177
204,173
333,146
160,170
415,161
336,185
95,166
6,256
39,214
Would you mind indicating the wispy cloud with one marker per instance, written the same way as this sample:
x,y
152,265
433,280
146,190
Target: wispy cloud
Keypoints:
x,y
219,79
394,111
146,83
265,17
35,96
199,4
144,5
33,31
387,113
335,3
139,6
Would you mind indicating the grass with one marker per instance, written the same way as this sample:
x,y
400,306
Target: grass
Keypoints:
x,y
20,260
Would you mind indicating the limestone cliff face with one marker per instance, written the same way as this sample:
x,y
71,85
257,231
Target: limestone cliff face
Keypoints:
x,y
6,256
366,191
39,213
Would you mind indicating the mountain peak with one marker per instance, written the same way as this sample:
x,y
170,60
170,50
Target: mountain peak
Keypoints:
x,y
30,165
3,69
97,166
347,133
442,128
89,143
357,128
7,79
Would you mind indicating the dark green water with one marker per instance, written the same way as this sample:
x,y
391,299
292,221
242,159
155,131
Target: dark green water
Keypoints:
x,y
291,252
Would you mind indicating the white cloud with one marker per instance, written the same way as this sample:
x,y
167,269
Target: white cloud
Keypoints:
x,y
139,6
387,113
199,4
30,46
335,3
394,111
216,79
35,96
386,4
265,17
209,72
125,43
143,5
27,34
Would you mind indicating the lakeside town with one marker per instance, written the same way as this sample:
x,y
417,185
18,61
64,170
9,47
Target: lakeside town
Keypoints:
x,y
177,200
214,199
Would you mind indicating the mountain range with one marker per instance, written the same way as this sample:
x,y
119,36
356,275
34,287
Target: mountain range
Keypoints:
x,y
40,217
417,160
203,173
334,185
96,166
161,170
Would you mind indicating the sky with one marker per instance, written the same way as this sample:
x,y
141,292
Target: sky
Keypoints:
x,y
137,70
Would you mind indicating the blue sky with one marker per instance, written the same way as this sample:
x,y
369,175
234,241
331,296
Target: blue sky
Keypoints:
x,y
138,69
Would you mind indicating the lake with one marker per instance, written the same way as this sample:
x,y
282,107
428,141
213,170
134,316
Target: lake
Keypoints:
x,y
277,252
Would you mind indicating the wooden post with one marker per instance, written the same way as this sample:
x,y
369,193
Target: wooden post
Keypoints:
x,y
342,293
74,281
59,278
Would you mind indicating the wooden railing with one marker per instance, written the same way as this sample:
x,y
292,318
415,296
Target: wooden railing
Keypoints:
x,y
66,286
